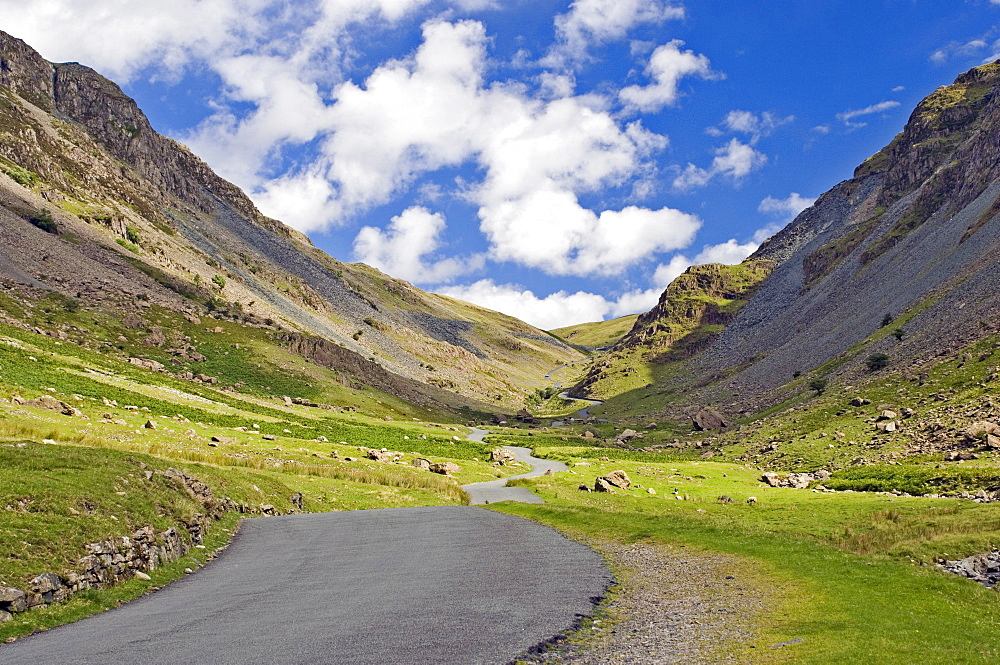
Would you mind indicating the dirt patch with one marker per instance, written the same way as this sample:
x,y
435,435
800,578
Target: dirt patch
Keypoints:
x,y
672,605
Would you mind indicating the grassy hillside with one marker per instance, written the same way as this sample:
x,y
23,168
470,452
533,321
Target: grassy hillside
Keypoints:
x,y
598,333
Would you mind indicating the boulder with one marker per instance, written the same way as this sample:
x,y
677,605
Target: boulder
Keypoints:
x,y
707,418
52,404
981,429
771,478
379,456
444,468
421,463
501,456
887,415
602,485
619,479
626,436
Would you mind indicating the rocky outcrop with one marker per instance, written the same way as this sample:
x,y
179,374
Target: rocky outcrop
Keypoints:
x,y
983,568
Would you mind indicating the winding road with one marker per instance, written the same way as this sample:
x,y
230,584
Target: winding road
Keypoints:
x,y
405,585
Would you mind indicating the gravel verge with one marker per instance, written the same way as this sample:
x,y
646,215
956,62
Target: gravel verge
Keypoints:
x,y
672,604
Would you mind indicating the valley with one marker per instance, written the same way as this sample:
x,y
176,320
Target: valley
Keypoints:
x,y
775,462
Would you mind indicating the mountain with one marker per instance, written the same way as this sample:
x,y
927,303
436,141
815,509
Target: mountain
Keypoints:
x,y
97,207
899,260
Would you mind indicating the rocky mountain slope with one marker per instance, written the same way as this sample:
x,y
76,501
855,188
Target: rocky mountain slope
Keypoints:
x,y
97,206
900,260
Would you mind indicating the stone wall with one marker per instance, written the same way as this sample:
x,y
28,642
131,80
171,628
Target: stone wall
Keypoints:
x,y
119,559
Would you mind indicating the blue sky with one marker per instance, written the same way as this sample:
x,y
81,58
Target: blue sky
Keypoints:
x,y
559,161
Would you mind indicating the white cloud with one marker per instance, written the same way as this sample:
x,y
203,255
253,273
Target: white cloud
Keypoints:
x,y
553,311
735,160
402,249
433,111
549,230
751,124
973,48
169,34
594,22
786,208
667,66
847,117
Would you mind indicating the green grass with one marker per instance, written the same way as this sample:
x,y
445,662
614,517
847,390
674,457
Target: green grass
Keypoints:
x,y
598,333
850,574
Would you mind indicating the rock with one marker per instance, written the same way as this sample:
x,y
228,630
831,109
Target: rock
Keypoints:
x,y
549,472
626,436
650,491
12,600
887,415
501,456
142,576
771,478
225,439
421,463
5,616
150,424
619,479
444,468
707,419
602,485
993,441
981,429
45,583
860,401
588,434
887,426
52,404
379,456
799,481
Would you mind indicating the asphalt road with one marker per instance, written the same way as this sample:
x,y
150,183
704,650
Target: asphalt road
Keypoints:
x,y
494,491
450,584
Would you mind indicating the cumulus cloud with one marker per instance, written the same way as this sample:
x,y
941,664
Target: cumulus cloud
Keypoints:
x,y
786,208
552,311
407,248
735,161
170,34
593,22
667,66
847,117
434,111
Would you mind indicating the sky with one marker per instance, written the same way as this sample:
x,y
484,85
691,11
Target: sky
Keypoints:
x,y
560,161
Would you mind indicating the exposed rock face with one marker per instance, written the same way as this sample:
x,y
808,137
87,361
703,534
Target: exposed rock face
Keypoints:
x,y
684,321
916,230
